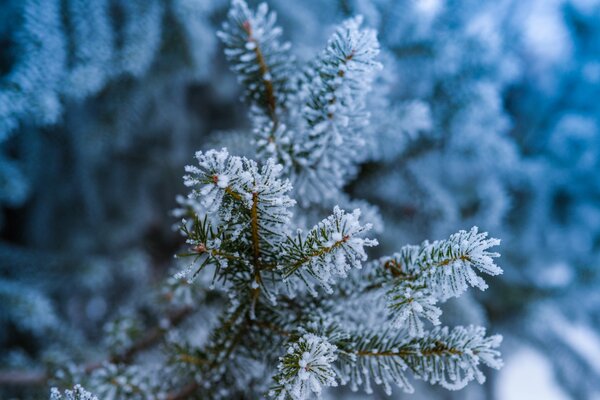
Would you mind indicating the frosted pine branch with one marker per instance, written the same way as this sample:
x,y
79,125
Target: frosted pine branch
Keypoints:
x,y
207,247
257,56
463,350
448,266
305,368
432,272
334,93
313,123
224,183
338,81
254,209
451,358
217,174
328,251
408,306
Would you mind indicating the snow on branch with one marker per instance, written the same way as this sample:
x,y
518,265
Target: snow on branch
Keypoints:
x,y
78,393
314,118
449,357
423,275
305,368
251,203
334,91
261,61
328,251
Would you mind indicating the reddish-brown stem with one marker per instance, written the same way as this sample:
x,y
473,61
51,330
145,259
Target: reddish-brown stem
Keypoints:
x,y
318,253
264,71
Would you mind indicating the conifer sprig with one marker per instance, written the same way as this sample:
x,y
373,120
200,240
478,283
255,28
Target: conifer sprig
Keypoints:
x,y
261,61
311,122
449,357
328,251
305,368
430,273
416,279
269,319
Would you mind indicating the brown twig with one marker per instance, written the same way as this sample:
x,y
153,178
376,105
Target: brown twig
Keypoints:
x,y
255,235
264,71
440,349
316,253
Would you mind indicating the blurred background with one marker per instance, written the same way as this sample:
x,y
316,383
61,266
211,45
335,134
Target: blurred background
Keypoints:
x,y
495,123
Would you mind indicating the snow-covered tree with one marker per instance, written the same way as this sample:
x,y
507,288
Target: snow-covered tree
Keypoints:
x,y
264,302
455,113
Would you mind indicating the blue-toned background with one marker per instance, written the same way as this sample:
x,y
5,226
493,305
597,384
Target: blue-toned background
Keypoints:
x,y
102,103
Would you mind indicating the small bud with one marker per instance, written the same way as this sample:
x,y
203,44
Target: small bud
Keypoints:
x,y
199,248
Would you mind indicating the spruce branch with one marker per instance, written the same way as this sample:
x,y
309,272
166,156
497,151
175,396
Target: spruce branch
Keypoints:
x,y
341,77
422,276
256,55
315,120
329,250
305,368
248,205
334,90
451,358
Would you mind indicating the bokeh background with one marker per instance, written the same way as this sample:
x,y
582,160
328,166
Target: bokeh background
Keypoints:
x,y
495,123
